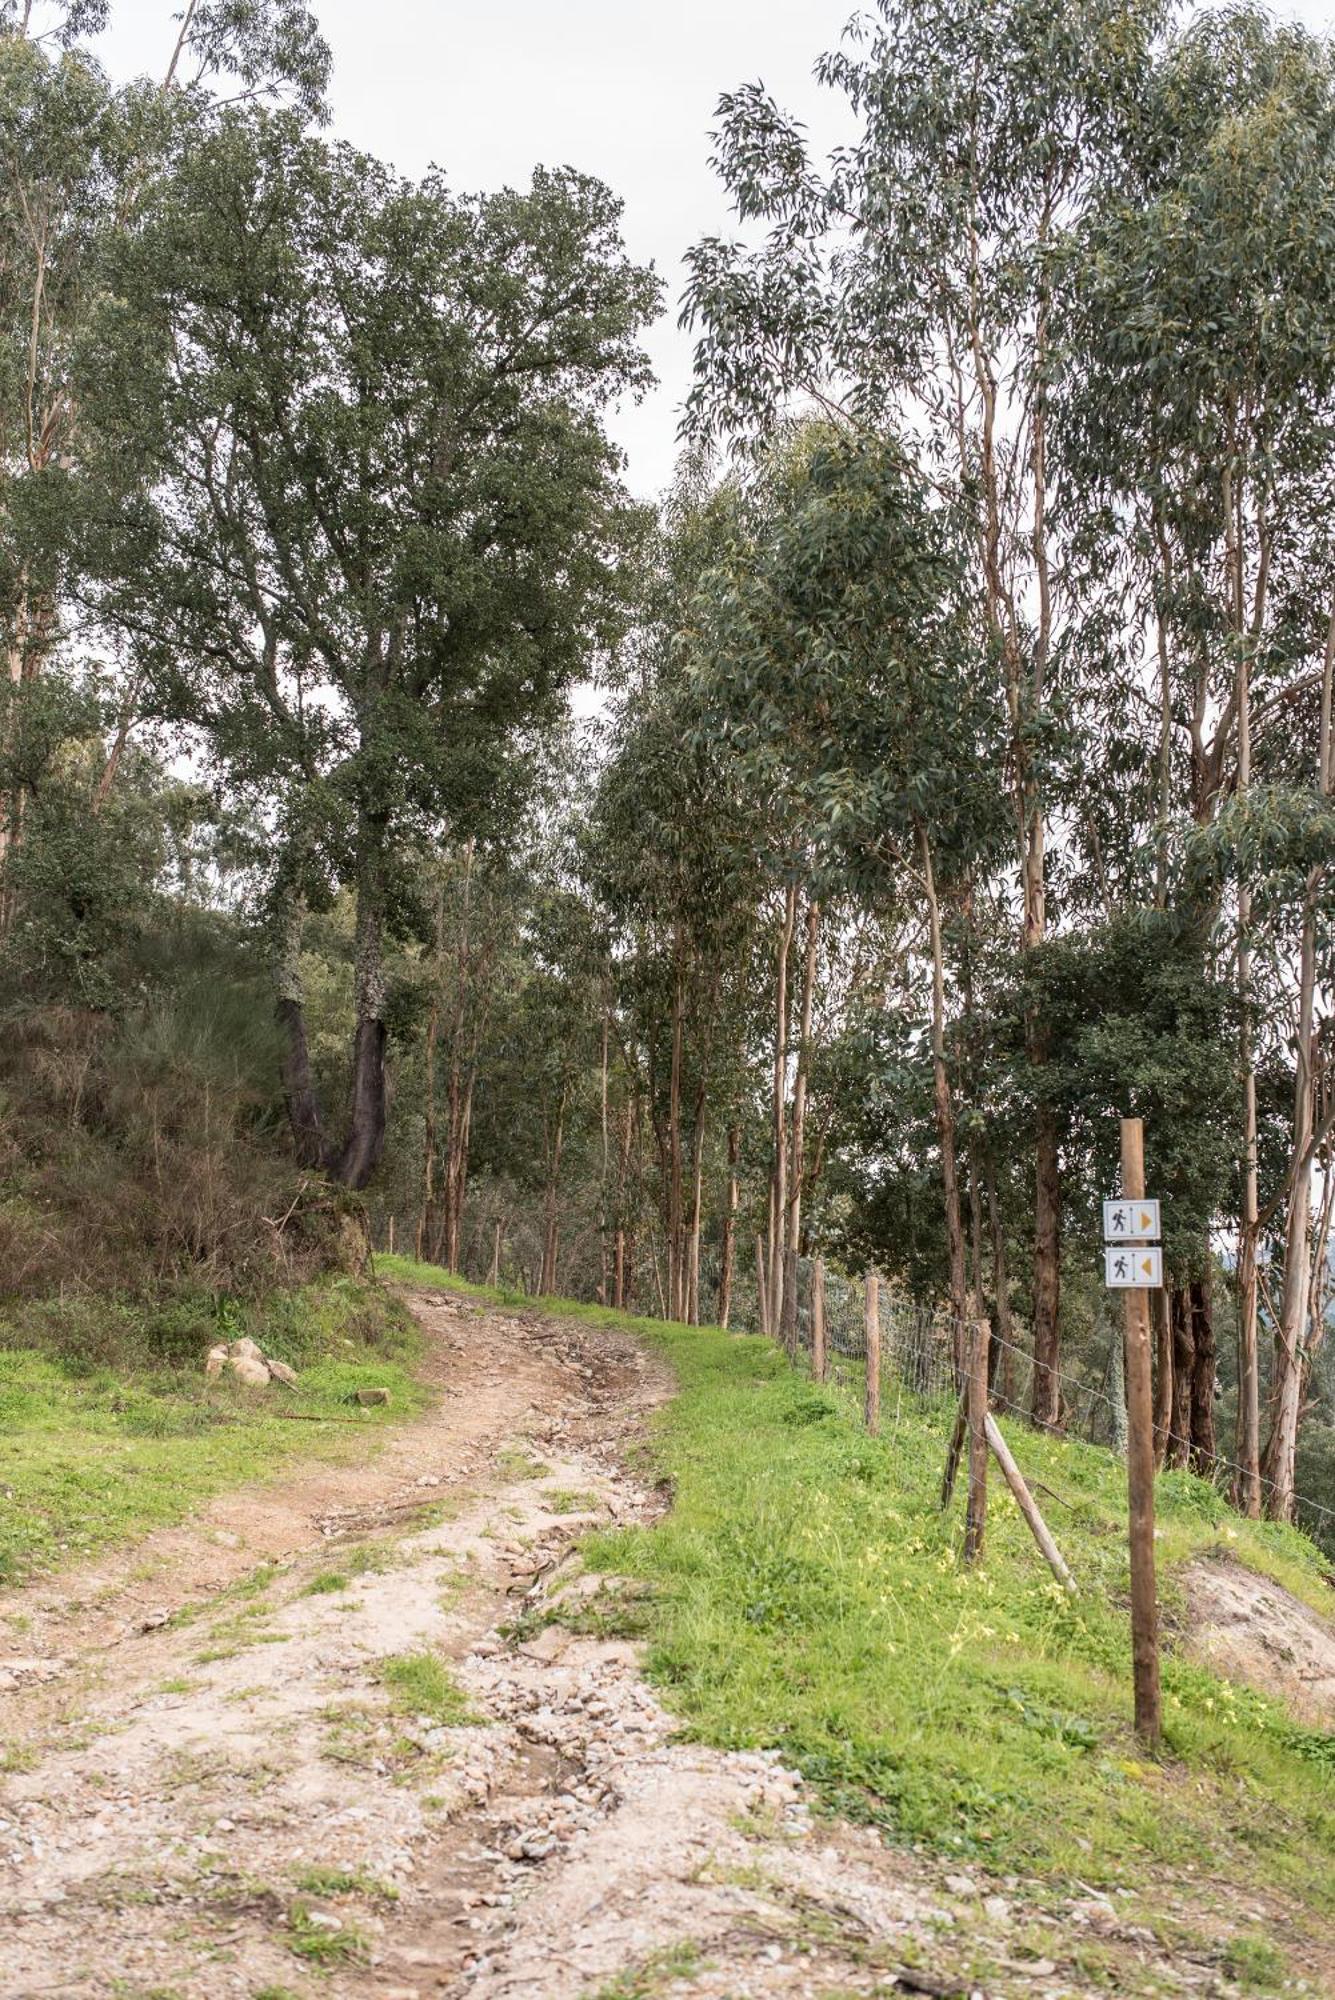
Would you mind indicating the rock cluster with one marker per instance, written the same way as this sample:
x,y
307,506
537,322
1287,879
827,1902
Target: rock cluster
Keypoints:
x,y
244,1359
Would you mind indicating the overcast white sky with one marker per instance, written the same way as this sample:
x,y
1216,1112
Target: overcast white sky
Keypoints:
x,y
623,89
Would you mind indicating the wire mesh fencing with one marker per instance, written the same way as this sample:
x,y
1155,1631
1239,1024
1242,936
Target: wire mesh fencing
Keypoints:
x,y
922,1350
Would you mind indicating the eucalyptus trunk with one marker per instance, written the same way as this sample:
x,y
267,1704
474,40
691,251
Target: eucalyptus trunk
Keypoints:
x,y
728,1253
945,1109
779,1178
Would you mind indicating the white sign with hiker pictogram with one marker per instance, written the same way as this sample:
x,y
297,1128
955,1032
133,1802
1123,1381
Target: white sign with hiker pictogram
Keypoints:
x,y
1127,1267
1131,1221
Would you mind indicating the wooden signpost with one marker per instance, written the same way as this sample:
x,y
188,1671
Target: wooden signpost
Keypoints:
x,y
1140,1431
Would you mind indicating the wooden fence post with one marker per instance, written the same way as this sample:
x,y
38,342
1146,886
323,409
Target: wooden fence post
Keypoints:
x,y
872,1325
819,1363
391,1235
494,1277
1140,1468
975,1523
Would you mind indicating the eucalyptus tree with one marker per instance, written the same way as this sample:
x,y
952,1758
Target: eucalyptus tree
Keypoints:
x,y
1200,430
670,857
79,157
841,665
386,522
912,283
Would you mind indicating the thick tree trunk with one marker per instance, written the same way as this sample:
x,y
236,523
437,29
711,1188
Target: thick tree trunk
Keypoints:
x,y
365,1143
303,1104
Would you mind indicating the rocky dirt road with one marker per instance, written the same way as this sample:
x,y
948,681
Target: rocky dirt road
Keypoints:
x,y
367,1735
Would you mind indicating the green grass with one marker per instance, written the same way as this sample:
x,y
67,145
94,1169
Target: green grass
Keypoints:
x,y
654,1976
95,1455
420,1683
327,1882
806,1594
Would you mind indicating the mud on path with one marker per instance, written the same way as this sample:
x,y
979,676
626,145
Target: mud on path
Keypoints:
x,y
373,1734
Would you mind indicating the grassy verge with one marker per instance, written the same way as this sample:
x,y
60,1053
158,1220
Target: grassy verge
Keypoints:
x,y
807,1595
108,1427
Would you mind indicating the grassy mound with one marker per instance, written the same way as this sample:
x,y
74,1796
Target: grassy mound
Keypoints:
x,y
108,1427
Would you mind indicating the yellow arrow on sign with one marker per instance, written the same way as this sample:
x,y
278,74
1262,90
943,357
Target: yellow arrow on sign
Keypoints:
x,y
1147,1266
1146,1221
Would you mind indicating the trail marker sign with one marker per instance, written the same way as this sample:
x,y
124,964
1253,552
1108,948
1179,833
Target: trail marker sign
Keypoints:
x,y
1133,1267
1126,1221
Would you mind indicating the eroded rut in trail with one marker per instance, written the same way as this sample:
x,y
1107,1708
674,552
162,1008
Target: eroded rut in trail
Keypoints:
x,y
275,1790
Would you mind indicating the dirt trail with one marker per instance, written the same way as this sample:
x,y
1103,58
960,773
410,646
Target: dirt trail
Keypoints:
x,y
270,1794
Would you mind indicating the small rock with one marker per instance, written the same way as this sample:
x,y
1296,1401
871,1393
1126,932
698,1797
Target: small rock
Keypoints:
x,y
323,1920
961,1885
997,1909
155,1620
281,1372
370,1398
548,1644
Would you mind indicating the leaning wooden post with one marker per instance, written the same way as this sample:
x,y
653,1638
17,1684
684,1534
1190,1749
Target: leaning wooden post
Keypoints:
x,y
1140,1468
975,1523
1028,1506
762,1286
873,1343
819,1363
494,1276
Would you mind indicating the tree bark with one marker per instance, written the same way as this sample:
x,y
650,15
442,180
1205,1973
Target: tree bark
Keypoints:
x,y
303,1104
945,1115
1292,1330
1163,1375
729,1247
778,1184
365,1143
1201,1305
1184,1365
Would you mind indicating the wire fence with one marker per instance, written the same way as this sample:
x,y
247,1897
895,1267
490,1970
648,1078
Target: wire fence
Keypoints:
x,y
919,1349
